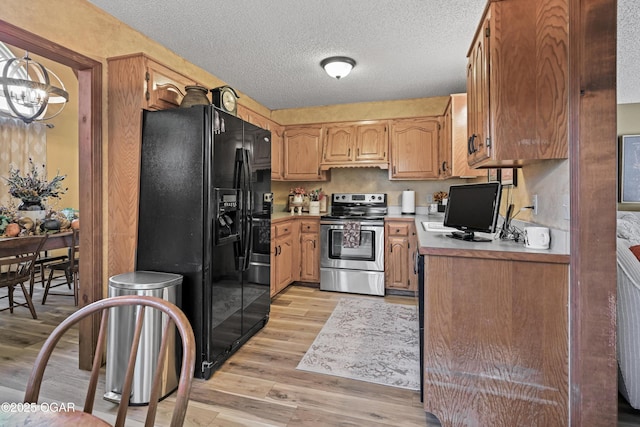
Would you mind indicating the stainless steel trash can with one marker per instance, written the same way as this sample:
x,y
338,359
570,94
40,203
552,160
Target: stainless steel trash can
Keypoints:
x,y
120,336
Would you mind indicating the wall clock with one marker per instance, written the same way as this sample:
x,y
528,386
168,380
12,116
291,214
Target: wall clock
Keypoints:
x,y
225,98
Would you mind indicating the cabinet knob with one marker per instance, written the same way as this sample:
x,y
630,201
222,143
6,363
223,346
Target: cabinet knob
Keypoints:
x,y
397,230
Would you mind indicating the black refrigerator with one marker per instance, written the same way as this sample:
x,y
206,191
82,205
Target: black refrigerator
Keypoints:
x,y
204,175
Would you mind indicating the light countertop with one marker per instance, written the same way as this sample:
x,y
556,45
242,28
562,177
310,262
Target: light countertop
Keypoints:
x,y
439,243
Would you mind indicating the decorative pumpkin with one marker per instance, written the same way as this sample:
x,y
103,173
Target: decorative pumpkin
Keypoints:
x,y
26,223
50,225
12,230
75,224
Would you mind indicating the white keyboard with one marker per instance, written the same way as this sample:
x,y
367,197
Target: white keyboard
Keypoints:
x,y
437,227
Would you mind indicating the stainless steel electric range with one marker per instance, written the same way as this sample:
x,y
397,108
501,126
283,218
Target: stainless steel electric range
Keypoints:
x,y
352,244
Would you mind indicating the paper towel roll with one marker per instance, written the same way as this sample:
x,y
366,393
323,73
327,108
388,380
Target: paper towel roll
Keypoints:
x,y
408,201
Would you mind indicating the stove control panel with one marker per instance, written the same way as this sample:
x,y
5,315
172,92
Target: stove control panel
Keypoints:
x,y
359,199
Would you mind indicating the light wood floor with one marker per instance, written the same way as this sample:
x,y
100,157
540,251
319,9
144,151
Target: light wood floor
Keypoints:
x,y
257,386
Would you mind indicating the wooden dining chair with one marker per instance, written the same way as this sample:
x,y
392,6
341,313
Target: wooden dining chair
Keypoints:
x,y
176,317
17,261
69,266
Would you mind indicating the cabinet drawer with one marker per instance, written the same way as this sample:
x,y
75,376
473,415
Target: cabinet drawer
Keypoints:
x,y
283,229
310,227
397,229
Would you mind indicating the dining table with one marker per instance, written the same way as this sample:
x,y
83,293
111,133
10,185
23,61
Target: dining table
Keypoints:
x,y
59,240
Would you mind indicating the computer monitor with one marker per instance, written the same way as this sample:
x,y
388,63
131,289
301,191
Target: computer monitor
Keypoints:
x,y
473,208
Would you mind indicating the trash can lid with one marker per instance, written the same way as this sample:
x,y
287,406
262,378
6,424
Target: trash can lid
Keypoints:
x,y
145,280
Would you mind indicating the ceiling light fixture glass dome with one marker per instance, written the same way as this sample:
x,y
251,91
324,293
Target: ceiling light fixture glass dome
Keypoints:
x,y
338,66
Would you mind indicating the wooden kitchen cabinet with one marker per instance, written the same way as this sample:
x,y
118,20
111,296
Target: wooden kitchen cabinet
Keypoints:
x,y
302,151
496,337
455,137
414,148
445,147
282,255
135,82
355,144
401,249
277,137
310,250
517,84
277,134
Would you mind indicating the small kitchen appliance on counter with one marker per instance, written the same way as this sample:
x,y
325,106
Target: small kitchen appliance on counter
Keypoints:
x,y
352,244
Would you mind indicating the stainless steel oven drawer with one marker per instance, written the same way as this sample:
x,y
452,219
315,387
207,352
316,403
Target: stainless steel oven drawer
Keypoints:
x,y
352,281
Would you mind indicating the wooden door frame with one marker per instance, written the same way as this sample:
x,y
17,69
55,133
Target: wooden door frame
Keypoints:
x,y
89,74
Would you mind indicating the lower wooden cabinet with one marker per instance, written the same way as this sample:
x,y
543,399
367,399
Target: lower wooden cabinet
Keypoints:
x,y
496,337
282,255
400,250
310,250
295,252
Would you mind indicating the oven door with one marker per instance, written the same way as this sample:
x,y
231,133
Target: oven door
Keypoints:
x,y
369,255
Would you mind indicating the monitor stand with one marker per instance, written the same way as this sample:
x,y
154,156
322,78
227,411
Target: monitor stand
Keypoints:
x,y
467,236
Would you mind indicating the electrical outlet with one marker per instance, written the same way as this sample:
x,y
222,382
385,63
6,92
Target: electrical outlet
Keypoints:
x,y
429,198
534,203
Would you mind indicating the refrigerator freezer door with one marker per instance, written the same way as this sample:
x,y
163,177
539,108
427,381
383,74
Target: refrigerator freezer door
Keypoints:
x,y
173,226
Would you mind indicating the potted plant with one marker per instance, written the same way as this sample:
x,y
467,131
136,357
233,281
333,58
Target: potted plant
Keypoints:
x,y
440,197
315,197
33,189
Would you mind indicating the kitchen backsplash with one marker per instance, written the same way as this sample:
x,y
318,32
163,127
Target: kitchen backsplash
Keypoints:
x,y
549,180
366,180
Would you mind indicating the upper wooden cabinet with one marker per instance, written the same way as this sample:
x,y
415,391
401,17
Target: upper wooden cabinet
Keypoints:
x,y
455,134
414,148
517,84
302,151
445,148
159,86
355,145
277,137
135,82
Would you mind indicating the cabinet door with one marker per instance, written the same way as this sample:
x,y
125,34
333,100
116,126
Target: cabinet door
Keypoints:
x,y
398,253
479,118
459,138
284,265
372,142
302,147
274,264
339,144
414,148
277,134
445,170
310,258
165,87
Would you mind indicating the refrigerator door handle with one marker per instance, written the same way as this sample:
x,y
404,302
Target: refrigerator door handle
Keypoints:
x,y
248,216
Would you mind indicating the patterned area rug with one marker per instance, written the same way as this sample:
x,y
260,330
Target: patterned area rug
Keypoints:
x,y
368,340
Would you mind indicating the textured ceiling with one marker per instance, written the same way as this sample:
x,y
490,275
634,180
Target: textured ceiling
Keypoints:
x,y
271,50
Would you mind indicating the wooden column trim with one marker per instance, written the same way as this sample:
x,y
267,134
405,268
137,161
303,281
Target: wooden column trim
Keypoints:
x,y
592,133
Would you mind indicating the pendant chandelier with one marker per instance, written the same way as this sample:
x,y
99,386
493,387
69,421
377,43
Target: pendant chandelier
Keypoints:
x,y
28,90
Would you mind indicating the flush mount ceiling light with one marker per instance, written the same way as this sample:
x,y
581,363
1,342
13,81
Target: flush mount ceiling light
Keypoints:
x,y
27,90
338,66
